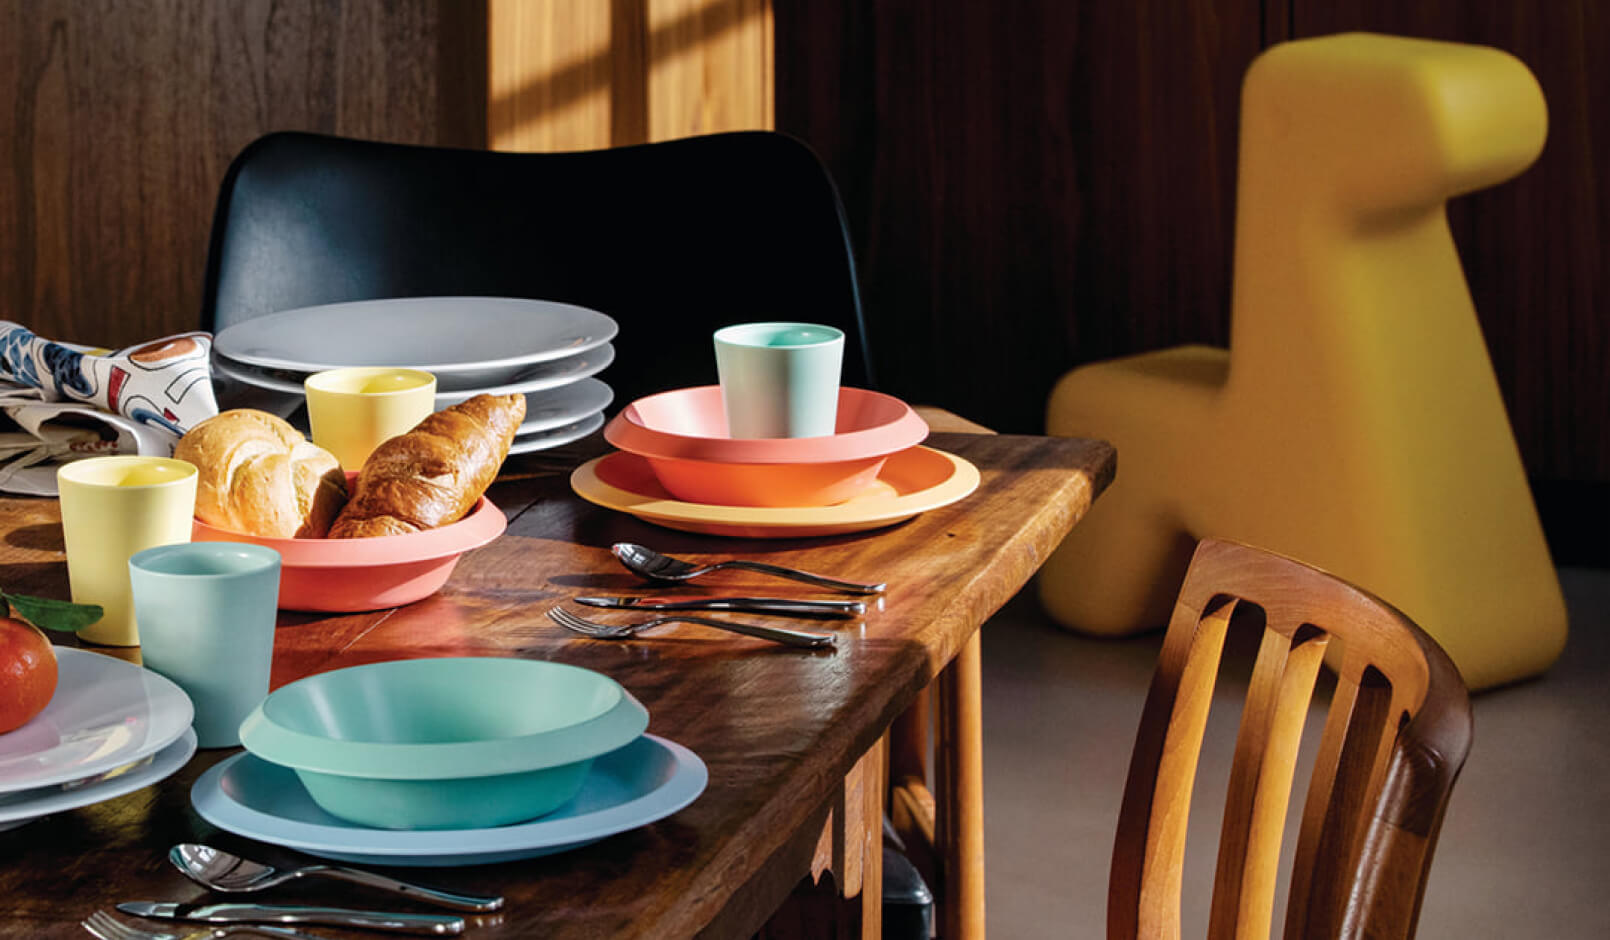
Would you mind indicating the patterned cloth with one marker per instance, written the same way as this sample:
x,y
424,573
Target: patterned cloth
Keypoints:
x,y
166,384
68,401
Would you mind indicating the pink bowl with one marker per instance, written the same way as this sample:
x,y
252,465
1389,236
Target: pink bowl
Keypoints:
x,y
683,436
348,575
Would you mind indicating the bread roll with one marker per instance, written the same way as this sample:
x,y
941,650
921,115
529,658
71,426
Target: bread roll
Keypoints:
x,y
258,475
433,474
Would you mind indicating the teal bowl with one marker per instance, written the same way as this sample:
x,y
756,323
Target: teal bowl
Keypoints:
x,y
464,743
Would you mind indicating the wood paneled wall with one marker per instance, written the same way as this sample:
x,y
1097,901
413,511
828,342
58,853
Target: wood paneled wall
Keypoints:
x,y
1037,185
124,115
585,74
1030,185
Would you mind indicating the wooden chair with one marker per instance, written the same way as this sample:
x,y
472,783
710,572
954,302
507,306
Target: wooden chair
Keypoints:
x,y
1397,732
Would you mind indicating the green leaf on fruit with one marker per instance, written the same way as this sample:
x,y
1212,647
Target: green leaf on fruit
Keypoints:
x,y
47,614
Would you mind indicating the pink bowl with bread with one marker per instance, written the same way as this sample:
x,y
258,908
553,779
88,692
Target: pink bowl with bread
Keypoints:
x,y
384,536
682,434
350,575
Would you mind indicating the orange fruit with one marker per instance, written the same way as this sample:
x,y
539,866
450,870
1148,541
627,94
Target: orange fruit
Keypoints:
x,y
27,673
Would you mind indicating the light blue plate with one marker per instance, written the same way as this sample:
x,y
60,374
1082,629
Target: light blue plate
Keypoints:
x,y
646,780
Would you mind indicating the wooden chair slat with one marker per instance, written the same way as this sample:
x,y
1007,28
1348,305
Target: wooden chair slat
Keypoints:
x,y
1396,732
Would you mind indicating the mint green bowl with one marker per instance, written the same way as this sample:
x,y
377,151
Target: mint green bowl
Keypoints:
x,y
463,743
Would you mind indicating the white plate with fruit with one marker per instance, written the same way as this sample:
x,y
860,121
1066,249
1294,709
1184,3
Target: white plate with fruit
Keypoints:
x,y
104,713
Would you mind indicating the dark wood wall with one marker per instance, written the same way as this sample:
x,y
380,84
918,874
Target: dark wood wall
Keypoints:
x,y
1037,185
123,115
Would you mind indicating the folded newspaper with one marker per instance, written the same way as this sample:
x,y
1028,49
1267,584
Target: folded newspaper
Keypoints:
x,y
68,401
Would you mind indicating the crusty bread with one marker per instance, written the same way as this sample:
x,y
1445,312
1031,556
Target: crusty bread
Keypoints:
x,y
433,474
258,475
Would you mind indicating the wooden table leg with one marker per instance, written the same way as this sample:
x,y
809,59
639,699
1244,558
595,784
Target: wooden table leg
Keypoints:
x,y
910,794
842,896
875,787
960,823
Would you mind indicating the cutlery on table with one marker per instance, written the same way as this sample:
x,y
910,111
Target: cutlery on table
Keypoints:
x,y
654,566
229,873
750,605
438,925
106,927
621,631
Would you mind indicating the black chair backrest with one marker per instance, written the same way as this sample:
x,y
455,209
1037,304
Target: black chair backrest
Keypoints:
x,y
672,239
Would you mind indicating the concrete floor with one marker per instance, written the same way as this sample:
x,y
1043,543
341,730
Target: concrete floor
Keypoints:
x,y
1525,846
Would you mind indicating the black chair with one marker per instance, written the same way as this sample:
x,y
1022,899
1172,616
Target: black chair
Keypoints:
x,y
671,239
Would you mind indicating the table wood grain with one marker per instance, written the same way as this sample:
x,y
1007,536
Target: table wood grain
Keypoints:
x,y
778,728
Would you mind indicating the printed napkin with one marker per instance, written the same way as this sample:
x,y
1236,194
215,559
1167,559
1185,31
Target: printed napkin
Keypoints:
x,y
71,402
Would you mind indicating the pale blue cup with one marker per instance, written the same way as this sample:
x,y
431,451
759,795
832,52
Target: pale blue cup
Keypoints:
x,y
206,613
779,379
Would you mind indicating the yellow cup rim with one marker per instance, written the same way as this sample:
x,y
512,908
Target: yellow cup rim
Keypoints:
x,y
74,471
321,382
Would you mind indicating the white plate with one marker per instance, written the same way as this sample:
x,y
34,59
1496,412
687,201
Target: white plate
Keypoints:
x,y
542,376
565,405
28,805
105,713
542,440
465,341
649,779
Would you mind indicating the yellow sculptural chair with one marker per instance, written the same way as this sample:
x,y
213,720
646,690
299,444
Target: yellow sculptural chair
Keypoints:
x,y
1355,421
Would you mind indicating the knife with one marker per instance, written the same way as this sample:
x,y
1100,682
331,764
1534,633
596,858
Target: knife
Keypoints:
x,y
751,605
437,925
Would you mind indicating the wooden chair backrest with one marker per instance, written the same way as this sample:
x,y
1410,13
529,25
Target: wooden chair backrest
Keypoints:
x,y
1397,732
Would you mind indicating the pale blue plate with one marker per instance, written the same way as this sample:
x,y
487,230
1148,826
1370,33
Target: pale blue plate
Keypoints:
x,y
647,780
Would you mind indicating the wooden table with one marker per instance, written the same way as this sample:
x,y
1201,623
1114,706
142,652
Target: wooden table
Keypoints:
x,y
781,730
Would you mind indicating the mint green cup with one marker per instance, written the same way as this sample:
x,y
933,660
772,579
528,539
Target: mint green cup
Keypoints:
x,y
779,379
206,612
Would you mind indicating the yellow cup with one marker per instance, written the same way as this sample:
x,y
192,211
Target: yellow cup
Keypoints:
x,y
112,507
352,411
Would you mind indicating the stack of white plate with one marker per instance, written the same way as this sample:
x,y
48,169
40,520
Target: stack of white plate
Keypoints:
x,y
546,351
110,729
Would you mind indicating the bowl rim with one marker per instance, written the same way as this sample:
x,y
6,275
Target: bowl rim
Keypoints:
x,y
616,726
628,432
483,523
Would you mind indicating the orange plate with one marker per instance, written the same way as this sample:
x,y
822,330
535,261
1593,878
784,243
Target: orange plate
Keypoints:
x,y
910,482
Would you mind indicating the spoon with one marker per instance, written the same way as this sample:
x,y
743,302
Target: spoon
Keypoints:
x,y
657,567
221,871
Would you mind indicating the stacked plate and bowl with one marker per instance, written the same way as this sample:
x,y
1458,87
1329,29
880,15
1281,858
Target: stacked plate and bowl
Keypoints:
x,y
450,761
549,352
677,466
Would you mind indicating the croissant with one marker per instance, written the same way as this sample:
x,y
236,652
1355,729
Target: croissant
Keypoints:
x,y
256,474
433,474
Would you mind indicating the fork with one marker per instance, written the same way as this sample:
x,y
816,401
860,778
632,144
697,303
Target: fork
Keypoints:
x,y
106,927
621,631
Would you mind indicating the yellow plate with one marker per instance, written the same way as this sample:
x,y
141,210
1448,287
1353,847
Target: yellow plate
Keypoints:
x,y
911,482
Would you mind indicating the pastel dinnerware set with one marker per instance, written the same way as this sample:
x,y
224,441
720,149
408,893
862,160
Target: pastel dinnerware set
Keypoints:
x,y
777,449
202,614
546,351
